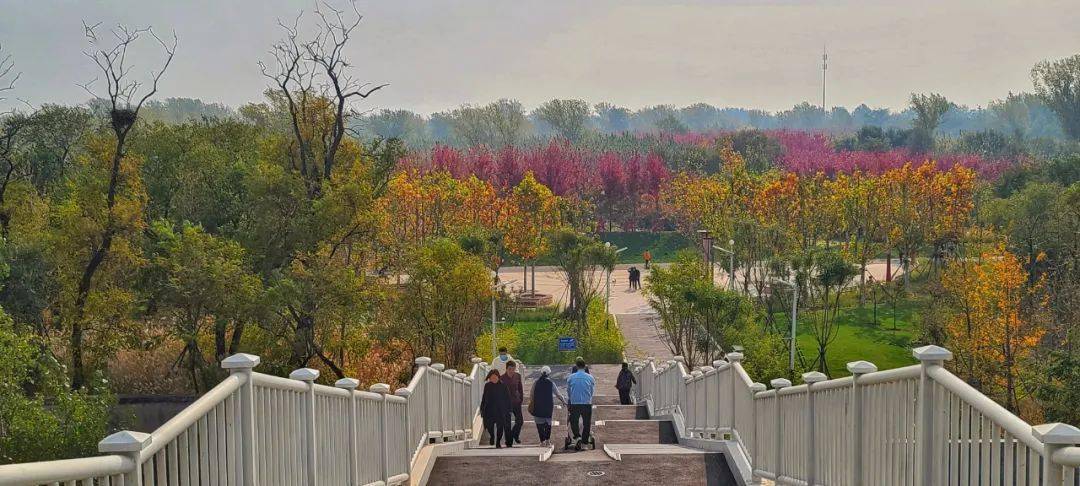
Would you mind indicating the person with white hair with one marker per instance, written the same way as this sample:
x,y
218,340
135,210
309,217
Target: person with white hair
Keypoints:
x,y
542,404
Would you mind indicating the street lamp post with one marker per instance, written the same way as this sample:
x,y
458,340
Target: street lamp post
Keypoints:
x,y
731,263
707,248
495,288
607,284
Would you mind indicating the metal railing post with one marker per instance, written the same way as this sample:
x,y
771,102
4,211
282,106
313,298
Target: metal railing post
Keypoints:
x,y
755,388
926,458
857,370
421,367
811,431
129,444
439,399
1054,437
451,401
308,376
242,364
383,389
463,410
779,384
733,359
351,384
405,393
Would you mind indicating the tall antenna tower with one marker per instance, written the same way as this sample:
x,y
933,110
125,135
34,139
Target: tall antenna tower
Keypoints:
x,y
824,67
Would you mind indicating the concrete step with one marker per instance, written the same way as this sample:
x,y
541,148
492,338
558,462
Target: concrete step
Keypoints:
x,y
619,451
600,412
682,469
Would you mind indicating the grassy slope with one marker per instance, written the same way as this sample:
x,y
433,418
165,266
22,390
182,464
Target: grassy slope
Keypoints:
x,y
663,245
860,339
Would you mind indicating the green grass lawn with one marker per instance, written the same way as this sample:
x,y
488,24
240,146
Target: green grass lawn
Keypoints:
x,y
662,245
860,339
532,336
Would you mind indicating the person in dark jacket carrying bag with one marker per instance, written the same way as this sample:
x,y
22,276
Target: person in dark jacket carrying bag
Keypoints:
x,y
542,404
624,383
495,410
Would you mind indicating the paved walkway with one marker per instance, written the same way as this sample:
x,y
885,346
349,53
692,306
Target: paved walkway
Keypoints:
x,y
637,320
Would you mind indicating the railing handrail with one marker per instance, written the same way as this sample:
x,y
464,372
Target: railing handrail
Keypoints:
x,y
168,431
1014,425
916,416
221,427
64,469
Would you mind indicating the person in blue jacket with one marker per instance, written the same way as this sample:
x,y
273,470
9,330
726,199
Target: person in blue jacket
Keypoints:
x,y
580,387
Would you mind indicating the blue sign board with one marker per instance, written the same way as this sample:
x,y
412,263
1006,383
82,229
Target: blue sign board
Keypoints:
x,y
567,344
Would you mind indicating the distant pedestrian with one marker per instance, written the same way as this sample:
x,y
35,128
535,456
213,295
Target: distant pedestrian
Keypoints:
x,y
512,380
647,257
635,278
542,404
624,383
580,387
499,362
495,410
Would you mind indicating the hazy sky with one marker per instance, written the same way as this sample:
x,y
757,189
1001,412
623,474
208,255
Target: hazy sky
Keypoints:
x,y
437,54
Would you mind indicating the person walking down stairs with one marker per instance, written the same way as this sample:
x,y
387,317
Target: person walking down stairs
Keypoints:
x,y
580,387
624,383
495,410
542,404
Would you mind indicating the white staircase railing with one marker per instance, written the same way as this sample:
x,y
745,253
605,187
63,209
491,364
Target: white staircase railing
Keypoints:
x,y
256,429
918,425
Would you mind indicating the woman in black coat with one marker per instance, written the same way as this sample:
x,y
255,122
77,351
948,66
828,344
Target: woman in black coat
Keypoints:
x,y
495,410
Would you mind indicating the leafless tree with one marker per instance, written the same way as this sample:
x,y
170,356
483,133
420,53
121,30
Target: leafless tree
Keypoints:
x,y
307,71
125,95
11,123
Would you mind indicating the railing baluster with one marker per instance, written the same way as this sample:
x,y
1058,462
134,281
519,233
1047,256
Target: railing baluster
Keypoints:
x,y
928,463
242,364
383,389
129,444
811,440
1054,437
857,370
779,384
308,376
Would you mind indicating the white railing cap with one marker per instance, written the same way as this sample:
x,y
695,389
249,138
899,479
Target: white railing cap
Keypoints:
x,y
403,392
476,360
240,361
734,357
671,362
438,366
861,367
460,375
305,374
696,373
814,377
757,387
125,441
932,353
422,361
468,379
680,359
347,383
380,388
1056,434
780,383
707,369
717,363
650,358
